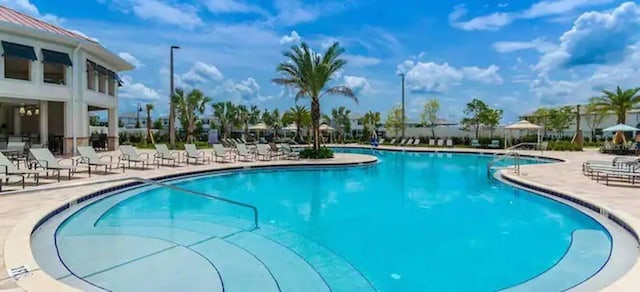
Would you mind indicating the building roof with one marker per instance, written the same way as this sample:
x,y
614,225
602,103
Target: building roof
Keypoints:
x,y
12,16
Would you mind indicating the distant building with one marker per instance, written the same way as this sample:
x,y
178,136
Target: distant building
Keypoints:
x,y
129,120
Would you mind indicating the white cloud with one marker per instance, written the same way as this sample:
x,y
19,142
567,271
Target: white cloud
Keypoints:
x,y
361,61
596,38
294,37
246,91
200,73
497,20
359,85
539,45
131,89
431,77
503,5
131,59
29,8
161,11
292,12
232,6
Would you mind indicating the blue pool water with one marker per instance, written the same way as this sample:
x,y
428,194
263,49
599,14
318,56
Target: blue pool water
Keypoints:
x,y
412,222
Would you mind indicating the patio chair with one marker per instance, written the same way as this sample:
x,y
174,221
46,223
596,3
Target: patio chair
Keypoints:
x,y
244,152
43,158
130,155
220,152
404,141
89,157
393,141
164,154
440,143
381,141
449,143
289,153
607,147
265,152
191,152
16,152
495,144
625,176
475,143
8,169
432,142
409,142
275,151
416,142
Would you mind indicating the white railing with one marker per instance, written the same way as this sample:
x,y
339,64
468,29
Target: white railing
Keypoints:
x,y
511,154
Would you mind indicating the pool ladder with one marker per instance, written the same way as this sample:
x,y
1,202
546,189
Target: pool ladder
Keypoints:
x,y
498,158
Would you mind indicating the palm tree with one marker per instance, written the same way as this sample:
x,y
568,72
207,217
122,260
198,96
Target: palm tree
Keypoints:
x,y
620,102
272,120
310,74
300,116
370,121
340,117
242,117
189,107
149,107
225,113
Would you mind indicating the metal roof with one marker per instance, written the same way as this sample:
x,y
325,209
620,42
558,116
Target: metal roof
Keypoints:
x,y
12,16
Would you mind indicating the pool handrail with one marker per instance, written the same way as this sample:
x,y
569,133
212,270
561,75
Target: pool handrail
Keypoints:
x,y
148,182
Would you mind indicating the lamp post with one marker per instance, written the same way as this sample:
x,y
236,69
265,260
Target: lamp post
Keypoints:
x,y
172,110
138,119
403,116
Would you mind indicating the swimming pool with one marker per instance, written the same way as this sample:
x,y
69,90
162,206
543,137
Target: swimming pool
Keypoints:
x,y
412,222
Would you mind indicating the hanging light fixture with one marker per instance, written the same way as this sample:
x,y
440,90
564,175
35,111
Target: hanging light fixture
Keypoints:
x,y
29,113
21,110
36,111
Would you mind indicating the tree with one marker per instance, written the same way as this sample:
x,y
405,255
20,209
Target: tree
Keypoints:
x,y
243,117
158,124
474,111
94,121
620,102
541,118
394,120
189,107
225,113
429,115
559,119
310,74
491,119
340,117
594,117
273,120
300,116
149,107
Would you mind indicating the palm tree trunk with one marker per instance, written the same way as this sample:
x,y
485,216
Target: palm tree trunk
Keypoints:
x,y
315,122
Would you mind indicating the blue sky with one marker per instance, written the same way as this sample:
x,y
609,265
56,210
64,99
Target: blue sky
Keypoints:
x,y
515,55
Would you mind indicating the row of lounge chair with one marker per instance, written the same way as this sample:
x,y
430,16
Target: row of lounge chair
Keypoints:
x,y
40,161
620,169
417,141
495,144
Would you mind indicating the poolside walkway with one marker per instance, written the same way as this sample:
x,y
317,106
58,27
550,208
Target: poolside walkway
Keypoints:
x,y
562,177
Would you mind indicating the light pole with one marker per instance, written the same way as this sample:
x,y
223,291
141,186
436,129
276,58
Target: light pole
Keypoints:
x,y
403,116
172,110
139,111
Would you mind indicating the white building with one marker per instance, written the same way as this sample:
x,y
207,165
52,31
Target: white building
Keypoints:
x,y
129,120
51,78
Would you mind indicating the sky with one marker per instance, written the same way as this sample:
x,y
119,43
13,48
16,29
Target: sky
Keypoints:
x,y
514,55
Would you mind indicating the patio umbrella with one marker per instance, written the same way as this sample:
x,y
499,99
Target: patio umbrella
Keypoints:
x,y
522,125
291,127
621,128
259,127
326,128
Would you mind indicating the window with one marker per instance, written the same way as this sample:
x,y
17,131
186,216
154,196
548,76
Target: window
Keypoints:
x,y
17,68
91,75
102,82
55,73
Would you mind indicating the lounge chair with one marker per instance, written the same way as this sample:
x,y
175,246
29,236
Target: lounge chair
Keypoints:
x,y
625,176
416,142
265,152
288,152
43,158
164,154
16,151
130,155
393,141
606,147
475,143
404,141
89,157
220,152
409,142
449,143
440,143
275,151
381,141
8,169
191,152
495,144
432,142
244,152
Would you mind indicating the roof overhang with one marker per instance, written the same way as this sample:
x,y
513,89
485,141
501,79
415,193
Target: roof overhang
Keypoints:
x,y
92,47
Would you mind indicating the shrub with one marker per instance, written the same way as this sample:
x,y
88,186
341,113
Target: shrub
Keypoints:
x,y
321,153
563,146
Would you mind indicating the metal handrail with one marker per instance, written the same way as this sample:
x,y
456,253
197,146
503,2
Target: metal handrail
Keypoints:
x,y
513,154
146,181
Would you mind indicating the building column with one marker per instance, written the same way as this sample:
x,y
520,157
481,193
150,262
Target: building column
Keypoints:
x,y
17,121
113,129
44,121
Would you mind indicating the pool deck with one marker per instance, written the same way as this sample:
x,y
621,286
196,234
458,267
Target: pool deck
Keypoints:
x,y
18,212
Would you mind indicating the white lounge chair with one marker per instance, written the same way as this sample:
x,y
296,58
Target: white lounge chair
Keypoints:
x,y
265,152
416,142
475,143
393,141
89,157
8,169
440,143
495,144
381,141
130,155
192,153
16,151
288,152
404,141
244,152
449,143
220,152
432,142
43,158
409,142
164,154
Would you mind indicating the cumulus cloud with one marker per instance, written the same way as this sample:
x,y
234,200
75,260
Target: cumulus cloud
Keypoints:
x,y
131,89
497,20
431,77
539,45
359,85
131,59
294,37
200,73
292,12
596,38
245,91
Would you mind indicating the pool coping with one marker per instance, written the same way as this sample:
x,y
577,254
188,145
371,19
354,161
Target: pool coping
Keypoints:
x,y
17,246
